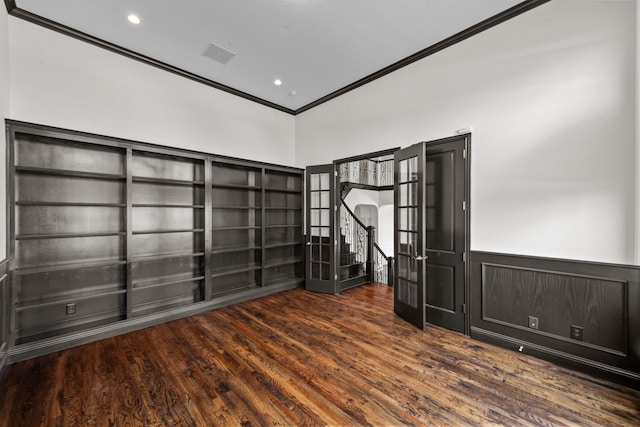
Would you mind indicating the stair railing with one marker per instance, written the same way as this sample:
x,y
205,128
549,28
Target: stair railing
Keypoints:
x,y
379,267
355,235
383,266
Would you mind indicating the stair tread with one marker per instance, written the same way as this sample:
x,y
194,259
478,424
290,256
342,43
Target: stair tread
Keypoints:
x,y
351,265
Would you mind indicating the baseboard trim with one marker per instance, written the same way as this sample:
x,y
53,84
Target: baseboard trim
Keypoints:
x,y
4,355
559,357
4,313
352,283
63,342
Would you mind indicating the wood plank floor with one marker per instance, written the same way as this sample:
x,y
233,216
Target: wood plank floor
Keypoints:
x,y
299,358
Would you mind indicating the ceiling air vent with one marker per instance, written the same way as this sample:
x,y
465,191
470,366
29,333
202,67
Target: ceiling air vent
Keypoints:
x,y
218,53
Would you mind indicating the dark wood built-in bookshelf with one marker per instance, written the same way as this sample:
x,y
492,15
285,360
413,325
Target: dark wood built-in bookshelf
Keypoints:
x,y
106,231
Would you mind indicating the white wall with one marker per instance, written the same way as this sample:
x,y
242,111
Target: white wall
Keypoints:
x,y
4,113
637,233
60,81
552,101
383,200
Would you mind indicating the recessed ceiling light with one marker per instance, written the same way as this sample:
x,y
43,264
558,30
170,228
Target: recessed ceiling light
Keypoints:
x,y
277,82
134,19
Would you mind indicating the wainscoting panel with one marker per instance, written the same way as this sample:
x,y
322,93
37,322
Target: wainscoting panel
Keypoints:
x,y
582,313
4,313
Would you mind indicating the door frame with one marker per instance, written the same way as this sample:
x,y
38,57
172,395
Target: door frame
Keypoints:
x,y
338,198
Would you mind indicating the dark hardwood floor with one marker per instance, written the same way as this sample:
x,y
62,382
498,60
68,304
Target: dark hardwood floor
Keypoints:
x,y
299,358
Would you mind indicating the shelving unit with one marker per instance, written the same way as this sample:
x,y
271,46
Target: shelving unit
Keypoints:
x,y
107,235
167,230
236,253
283,227
69,232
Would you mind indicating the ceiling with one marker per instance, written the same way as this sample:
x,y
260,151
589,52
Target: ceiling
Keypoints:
x,y
316,48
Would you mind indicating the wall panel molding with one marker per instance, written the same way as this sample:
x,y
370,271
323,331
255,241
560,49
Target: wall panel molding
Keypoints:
x,y
602,299
4,312
558,300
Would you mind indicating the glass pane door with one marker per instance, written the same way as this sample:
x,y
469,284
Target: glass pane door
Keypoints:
x,y
320,270
409,291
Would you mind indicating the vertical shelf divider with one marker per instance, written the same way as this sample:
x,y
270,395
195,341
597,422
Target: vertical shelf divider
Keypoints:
x,y
208,226
129,228
263,232
12,299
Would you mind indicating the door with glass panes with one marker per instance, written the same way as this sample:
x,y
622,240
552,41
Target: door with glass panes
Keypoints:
x,y
320,230
410,277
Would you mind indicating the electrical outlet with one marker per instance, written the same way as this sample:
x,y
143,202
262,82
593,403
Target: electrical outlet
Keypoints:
x,y
576,332
533,322
71,308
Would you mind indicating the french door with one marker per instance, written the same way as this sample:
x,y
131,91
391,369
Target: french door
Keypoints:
x,y
320,229
410,279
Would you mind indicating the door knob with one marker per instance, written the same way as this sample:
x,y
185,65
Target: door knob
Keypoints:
x,y
421,258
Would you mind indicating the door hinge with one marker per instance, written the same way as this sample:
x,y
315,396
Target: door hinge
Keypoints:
x,y
464,308
464,153
464,257
464,205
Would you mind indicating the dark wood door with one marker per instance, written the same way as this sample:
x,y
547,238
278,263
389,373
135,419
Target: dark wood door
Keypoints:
x,y
410,279
320,214
445,231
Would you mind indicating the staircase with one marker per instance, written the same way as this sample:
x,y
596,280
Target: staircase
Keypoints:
x,y
354,249
361,260
350,267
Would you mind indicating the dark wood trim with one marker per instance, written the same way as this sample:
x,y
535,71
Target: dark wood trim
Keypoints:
x,y
573,361
17,126
79,35
467,233
129,237
506,15
367,156
352,283
558,273
4,312
354,186
263,221
10,4
42,347
208,228
619,363
586,264
10,232
448,42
